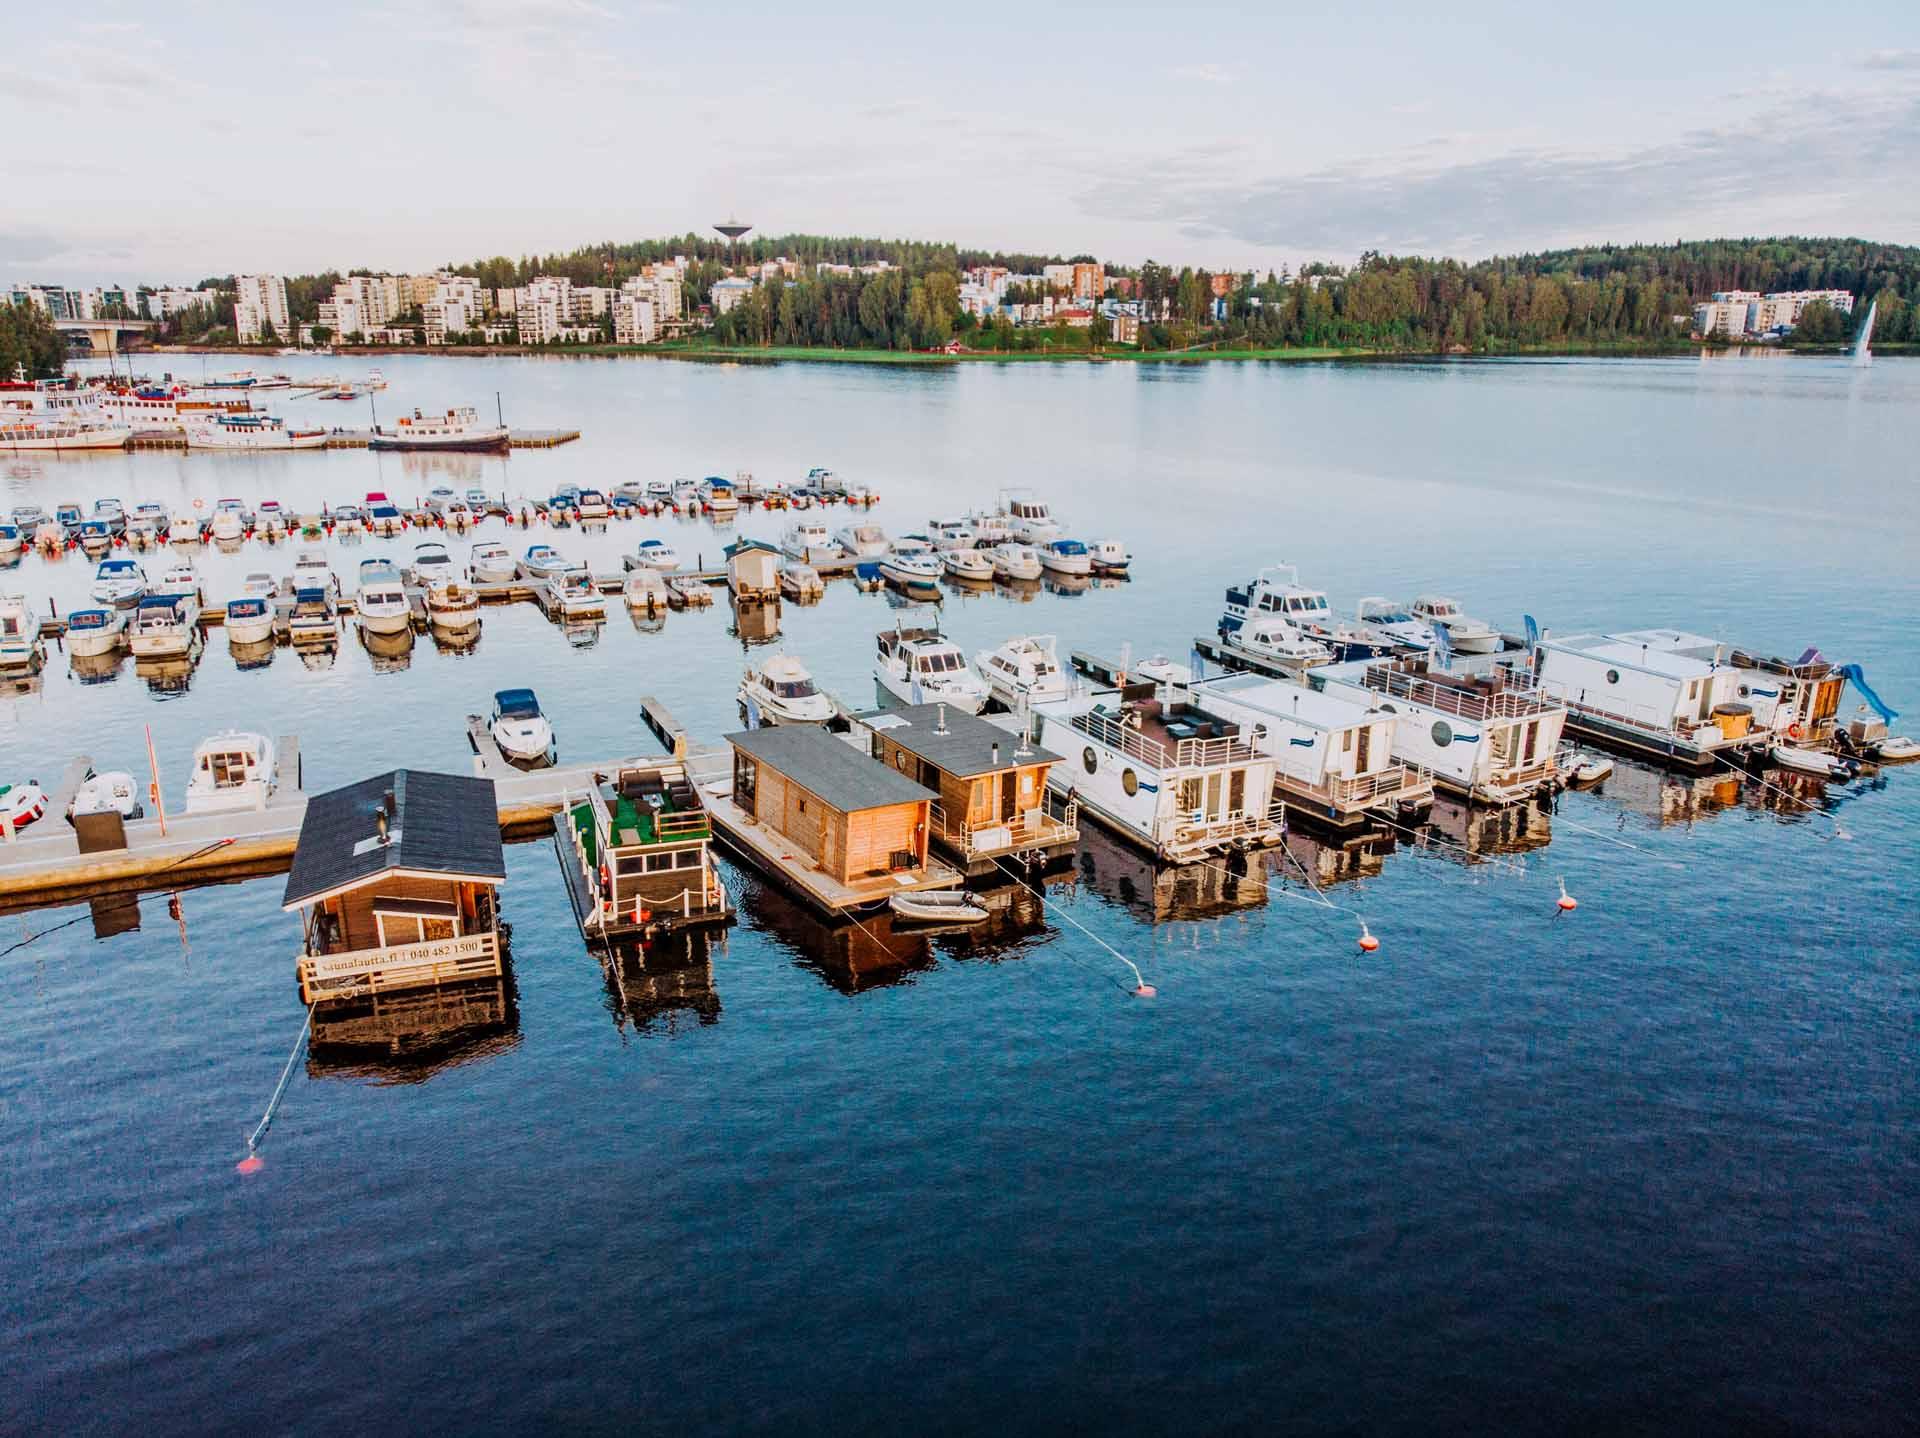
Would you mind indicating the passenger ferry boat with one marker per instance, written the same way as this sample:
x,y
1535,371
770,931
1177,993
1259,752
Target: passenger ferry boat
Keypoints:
x,y
1656,692
1277,590
781,691
234,770
456,429
919,666
56,417
251,431
168,409
1333,752
1154,764
1024,670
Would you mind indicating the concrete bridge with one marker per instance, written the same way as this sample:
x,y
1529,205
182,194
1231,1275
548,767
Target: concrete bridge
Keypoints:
x,y
103,336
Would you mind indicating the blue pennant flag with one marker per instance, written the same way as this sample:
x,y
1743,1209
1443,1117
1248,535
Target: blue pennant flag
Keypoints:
x,y
1533,631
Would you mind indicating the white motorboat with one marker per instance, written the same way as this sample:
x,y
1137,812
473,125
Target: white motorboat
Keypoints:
x,y
119,583
543,560
384,516
431,563
1813,761
315,617
645,590
112,513
95,631
1109,556
249,619
1015,561
951,534
1066,556
260,585
230,519
456,516
21,804
311,571
781,691
1585,769
29,518
911,563
164,626
491,563
452,606
380,604
113,792
348,519
801,581
592,505
1028,519
146,525
518,726
270,517
1277,590
184,527
862,541
1395,622
919,666
657,555
972,564
251,431
1469,636
180,578
1276,643
51,535
657,492
1024,670
438,498
717,496
938,906
10,541
808,541
479,504
234,770
573,595
685,495
455,429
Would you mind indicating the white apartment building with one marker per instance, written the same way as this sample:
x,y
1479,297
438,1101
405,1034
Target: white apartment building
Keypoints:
x,y
590,302
260,301
545,309
161,304
661,287
1737,313
729,292
633,321
1058,277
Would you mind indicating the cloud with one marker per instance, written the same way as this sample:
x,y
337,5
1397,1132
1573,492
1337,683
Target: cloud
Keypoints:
x,y
1891,60
1820,160
1205,74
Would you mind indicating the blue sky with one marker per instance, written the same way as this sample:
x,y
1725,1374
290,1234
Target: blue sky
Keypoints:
x,y
154,143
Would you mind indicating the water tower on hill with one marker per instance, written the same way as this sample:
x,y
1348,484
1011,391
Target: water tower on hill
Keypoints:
x,y
733,229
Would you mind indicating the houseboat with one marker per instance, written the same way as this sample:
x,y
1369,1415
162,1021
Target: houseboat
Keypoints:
x,y
1484,732
233,770
1645,693
396,880
1025,670
250,431
991,816
93,631
380,604
455,429
637,855
1156,766
753,570
835,825
919,666
781,691
1332,754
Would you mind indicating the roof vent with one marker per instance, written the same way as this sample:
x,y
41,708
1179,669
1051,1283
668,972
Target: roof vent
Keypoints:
x,y
996,753
940,724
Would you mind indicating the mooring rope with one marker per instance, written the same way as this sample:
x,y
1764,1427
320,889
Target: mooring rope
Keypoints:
x,y
1141,985
279,1091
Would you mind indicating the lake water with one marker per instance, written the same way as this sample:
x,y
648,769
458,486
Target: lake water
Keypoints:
x,y
1656,1163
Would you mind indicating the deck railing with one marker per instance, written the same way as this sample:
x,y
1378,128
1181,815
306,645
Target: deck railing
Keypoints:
x,y
1514,702
397,966
1185,753
1032,830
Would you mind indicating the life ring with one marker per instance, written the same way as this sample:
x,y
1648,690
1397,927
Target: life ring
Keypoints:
x,y
21,804
1794,731
606,877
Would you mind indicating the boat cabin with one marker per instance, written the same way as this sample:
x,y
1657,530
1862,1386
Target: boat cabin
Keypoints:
x,y
992,786
1332,752
642,859
859,825
233,770
753,569
1795,699
396,880
1480,728
1647,692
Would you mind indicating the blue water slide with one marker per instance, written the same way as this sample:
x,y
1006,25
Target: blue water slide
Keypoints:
x,y
1851,673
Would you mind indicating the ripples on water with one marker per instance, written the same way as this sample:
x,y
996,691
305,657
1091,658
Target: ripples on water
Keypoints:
x,y
1654,1161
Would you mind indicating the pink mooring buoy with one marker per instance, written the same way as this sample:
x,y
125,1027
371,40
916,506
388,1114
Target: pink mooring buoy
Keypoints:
x,y
252,1163
1566,903
1368,943
1145,991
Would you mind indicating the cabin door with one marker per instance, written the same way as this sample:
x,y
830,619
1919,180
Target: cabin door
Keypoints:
x,y
1009,796
1360,764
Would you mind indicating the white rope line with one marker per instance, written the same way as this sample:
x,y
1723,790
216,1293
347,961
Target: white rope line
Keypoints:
x,y
1055,909
1839,829
266,1119
1560,818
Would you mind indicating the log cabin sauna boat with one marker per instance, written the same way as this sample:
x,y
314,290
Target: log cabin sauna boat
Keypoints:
x,y
636,850
396,880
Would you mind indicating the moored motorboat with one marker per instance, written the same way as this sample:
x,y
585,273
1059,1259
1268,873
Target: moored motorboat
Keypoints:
x,y
911,563
491,563
315,617
645,590
519,728
380,604
270,518
862,541
1583,770
112,792
1109,556
1024,670
248,619
1015,561
452,606
1066,556
808,541
1274,643
656,554
801,581
431,563
542,561
95,631
573,595
20,645
232,770
311,571
919,665
460,428
1813,761
1468,635
781,691
119,583
975,565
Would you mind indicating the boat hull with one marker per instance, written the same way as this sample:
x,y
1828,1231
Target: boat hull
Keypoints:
x,y
482,442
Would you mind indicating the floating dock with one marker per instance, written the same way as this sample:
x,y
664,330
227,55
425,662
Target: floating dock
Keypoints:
x,y
358,439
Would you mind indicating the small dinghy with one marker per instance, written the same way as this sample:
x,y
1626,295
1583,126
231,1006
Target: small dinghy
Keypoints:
x,y
113,792
867,577
1898,749
938,906
1586,769
1813,761
21,804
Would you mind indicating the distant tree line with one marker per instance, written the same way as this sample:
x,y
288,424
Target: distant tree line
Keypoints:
x,y
29,343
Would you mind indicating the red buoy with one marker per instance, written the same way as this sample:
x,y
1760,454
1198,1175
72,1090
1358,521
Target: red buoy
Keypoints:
x,y
1566,903
1368,943
1144,991
251,1164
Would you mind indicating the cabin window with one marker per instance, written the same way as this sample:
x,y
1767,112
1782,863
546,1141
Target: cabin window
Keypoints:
x,y
1236,791
1088,760
1533,739
1613,676
229,769
1026,781
1346,742
436,929
746,776
801,805
658,862
687,859
900,760
1442,733
1130,781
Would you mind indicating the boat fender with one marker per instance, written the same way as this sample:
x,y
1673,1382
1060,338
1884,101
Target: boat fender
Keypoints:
x,y
606,877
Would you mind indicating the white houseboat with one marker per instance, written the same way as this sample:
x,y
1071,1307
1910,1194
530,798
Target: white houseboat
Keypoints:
x,y
1638,692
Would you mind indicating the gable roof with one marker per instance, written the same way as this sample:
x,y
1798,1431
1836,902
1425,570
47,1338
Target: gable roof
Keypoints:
x,y
828,767
966,749
441,824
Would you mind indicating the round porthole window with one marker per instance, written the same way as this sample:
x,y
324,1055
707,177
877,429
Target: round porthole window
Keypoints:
x,y
1259,732
900,760
1613,676
1130,781
1442,733
1089,760
1744,691
1388,708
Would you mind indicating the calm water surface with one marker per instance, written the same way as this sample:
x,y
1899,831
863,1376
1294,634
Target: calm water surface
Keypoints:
x,y
1656,1163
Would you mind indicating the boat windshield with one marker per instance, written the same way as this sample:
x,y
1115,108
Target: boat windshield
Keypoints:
x,y
939,661
794,688
517,704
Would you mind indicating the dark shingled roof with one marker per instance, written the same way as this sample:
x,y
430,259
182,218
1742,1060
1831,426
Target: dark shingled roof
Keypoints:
x,y
442,823
829,767
966,749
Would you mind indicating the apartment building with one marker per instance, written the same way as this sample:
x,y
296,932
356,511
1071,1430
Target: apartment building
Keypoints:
x,y
260,304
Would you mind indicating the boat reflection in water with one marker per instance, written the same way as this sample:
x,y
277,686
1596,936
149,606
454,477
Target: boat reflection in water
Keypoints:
x,y
1066,584
171,675
456,469
97,668
1169,893
1468,833
114,914
456,642
390,653
755,623
409,1035
1330,860
584,636
257,655
1667,797
663,986
648,623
